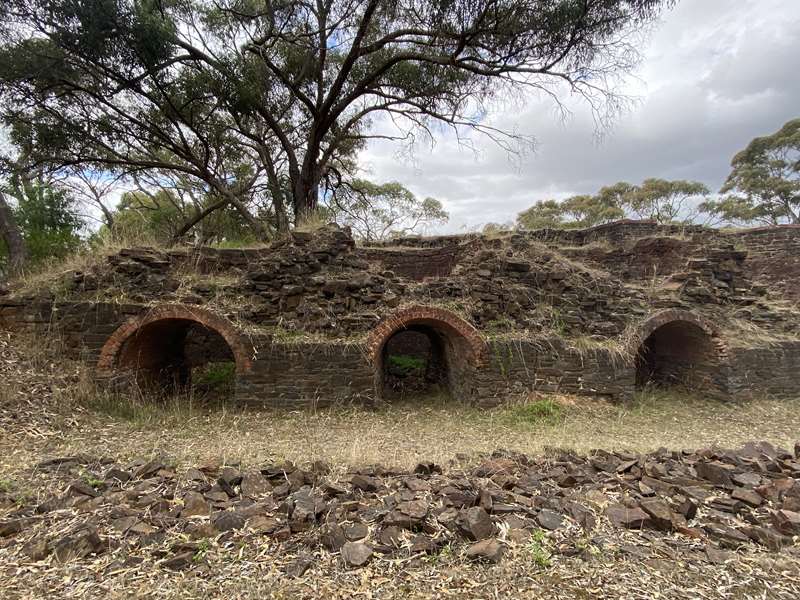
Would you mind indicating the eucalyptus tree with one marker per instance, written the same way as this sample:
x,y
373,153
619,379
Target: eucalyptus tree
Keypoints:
x,y
45,218
764,183
664,200
575,212
659,200
378,212
234,92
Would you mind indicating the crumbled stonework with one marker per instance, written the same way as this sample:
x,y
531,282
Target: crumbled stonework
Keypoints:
x,y
711,500
576,311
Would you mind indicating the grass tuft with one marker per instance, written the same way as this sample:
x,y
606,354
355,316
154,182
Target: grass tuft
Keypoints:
x,y
218,376
405,363
537,547
545,411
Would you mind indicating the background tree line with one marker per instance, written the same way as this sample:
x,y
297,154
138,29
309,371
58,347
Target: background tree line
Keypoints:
x,y
763,188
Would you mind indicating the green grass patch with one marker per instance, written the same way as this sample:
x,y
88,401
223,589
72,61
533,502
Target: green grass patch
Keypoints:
x,y
215,375
405,363
540,412
537,547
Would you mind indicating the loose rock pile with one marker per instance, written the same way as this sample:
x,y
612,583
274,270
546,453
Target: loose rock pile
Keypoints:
x,y
718,499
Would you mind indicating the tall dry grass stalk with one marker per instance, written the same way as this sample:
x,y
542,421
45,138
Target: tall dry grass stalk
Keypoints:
x,y
47,275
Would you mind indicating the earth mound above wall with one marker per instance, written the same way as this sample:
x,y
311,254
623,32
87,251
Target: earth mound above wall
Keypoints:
x,y
554,310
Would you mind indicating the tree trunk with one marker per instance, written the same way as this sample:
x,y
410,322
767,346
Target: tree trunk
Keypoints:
x,y
107,215
306,195
279,197
281,219
9,230
306,186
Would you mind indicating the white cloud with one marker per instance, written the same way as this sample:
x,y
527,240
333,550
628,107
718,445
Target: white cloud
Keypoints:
x,y
715,74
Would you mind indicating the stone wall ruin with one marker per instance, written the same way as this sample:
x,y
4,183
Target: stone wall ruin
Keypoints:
x,y
314,318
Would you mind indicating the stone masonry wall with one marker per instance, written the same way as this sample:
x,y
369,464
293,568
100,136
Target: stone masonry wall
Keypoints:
x,y
770,370
416,264
83,327
520,367
773,257
295,374
302,312
309,374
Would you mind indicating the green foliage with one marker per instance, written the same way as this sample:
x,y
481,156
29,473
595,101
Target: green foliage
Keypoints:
x,y
203,546
764,184
545,214
544,411
46,218
737,210
380,211
91,480
157,217
148,216
537,547
442,555
588,211
406,364
575,212
664,201
659,200
496,229
216,375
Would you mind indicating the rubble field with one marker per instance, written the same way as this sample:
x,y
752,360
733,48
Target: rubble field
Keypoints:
x,y
101,521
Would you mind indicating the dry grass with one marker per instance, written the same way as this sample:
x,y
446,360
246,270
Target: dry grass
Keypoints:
x,y
313,221
401,435
49,408
48,275
742,333
595,246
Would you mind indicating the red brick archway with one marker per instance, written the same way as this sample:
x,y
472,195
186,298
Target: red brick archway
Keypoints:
x,y
110,353
438,318
456,350
677,346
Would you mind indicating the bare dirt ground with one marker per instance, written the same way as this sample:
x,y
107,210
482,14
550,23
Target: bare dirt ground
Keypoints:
x,y
48,409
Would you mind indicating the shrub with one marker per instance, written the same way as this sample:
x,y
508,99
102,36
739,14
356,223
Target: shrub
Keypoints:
x,y
215,375
406,364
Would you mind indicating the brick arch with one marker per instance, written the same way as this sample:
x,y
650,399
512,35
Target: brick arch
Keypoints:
x,y
678,346
440,319
671,315
110,352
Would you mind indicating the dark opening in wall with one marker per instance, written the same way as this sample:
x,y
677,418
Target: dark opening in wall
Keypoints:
x,y
414,363
422,348
679,354
171,356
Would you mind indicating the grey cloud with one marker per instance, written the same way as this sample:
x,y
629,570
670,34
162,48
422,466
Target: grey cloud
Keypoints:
x,y
716,74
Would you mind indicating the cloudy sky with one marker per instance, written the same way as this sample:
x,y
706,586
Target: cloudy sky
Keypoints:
x,y
715,74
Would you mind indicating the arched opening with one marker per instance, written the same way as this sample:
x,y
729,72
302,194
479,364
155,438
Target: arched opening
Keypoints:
x,y
178,356
176,350
414,363
425,352
679,354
